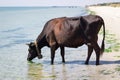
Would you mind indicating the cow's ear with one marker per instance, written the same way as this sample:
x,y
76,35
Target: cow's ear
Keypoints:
x,y
31,44
28,44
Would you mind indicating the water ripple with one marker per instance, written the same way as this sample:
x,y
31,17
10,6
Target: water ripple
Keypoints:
x,y
13,30
16,42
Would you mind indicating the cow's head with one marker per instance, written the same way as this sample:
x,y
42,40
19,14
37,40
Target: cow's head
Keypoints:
x,y
33,51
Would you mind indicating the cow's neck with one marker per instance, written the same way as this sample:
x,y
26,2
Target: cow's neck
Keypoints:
x,y
41,42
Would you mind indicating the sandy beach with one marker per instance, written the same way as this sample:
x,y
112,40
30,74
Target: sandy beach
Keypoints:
x,y
111,16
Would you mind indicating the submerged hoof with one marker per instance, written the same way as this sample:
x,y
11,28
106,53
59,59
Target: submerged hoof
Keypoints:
x,y
86,63
97,64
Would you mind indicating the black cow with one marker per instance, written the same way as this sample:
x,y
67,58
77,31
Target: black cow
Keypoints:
x,y
69,32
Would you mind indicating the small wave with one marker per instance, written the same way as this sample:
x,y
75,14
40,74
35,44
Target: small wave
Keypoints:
x,y
16,42
13,30
22,41
6,45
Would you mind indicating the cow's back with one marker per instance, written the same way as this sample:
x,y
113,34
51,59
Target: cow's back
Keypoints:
x,y
68,32
91,24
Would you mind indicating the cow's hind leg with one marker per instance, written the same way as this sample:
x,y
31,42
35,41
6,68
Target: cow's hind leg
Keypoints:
x,y
90,50
62,54
97,51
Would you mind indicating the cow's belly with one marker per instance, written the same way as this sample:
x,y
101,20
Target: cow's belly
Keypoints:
x,y
73,45
69,38
72,42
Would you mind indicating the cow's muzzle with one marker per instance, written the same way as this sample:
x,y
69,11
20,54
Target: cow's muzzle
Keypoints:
x,y
40,56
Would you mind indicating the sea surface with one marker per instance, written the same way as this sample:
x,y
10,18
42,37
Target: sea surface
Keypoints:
x,y
21,25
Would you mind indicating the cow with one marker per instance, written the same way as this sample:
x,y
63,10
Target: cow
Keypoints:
x,y
70,32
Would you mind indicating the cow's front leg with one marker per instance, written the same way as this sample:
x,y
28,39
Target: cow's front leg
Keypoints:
x,y
53,45
62,54
52,55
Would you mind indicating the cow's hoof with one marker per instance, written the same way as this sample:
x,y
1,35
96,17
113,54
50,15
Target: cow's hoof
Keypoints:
x,y
86,63
97,64
52,63
63,61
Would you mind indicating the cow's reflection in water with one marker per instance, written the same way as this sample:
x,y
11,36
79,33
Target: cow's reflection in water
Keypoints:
x,y
35,71
48,72
59,72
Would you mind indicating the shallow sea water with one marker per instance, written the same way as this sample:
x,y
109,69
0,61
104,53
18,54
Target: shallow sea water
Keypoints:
x,y
20,25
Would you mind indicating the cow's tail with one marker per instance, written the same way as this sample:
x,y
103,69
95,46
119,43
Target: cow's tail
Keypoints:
x,y
103,41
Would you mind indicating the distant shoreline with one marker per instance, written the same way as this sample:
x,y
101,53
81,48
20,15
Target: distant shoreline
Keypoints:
x,y
39,7
112,4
